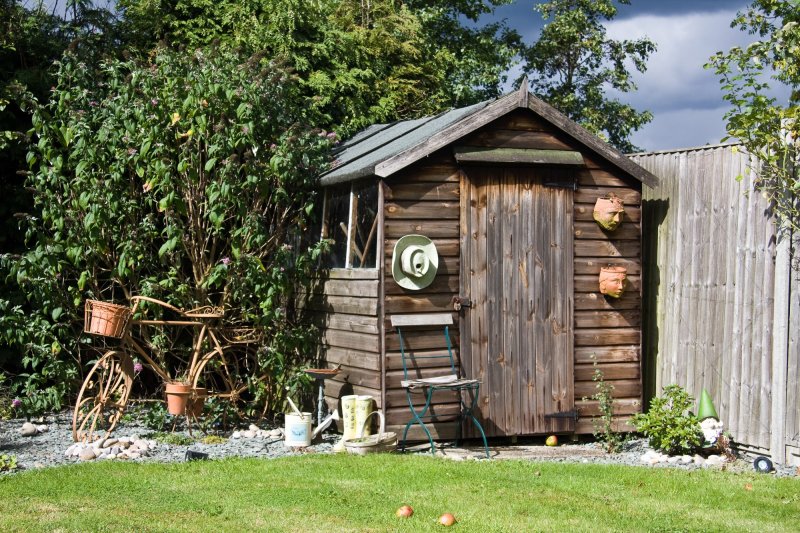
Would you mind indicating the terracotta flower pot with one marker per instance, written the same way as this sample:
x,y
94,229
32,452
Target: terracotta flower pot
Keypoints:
x,y
608,211
612,280
197,400
178,397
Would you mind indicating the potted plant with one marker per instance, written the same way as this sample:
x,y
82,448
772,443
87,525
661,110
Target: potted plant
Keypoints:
x,y
178,394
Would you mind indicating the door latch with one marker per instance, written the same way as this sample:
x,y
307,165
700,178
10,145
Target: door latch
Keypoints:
x,y
460,302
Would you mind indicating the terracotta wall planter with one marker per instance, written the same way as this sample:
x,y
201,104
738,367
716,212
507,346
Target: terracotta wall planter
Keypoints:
x,y
612,280
608,211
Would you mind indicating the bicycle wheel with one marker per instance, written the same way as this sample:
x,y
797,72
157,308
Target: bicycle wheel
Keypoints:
x,y
234,378
103,397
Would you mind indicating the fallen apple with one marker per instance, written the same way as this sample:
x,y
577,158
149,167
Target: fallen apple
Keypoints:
x,y
447,519
552,440
404,511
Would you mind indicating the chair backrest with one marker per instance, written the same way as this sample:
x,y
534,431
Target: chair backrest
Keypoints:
x,y
424,321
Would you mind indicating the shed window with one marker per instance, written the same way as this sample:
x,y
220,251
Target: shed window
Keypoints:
x,y
351,223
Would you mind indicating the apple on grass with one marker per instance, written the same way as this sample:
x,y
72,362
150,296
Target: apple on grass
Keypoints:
x,y
447,519
404,511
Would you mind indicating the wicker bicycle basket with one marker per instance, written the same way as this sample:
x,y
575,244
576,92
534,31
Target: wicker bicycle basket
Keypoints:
x,y
107,319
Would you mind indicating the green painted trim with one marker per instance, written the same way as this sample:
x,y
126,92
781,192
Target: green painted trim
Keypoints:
x,y
472,154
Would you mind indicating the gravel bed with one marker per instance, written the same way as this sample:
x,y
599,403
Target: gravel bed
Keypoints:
x,y
47,448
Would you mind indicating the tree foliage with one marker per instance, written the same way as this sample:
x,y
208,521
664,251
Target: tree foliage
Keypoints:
x,y
573,64
361,62
188,177
769,129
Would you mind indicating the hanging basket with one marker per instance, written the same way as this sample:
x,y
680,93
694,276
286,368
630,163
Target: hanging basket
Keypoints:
x,y
107,319
612,280
608,211
383,441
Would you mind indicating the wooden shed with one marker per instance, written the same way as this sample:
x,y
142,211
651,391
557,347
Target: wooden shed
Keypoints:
x,y
506,190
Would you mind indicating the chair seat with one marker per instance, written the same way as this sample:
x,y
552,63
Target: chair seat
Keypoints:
x,y
451,381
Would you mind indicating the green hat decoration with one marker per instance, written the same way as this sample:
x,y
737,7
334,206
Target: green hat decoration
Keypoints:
x,y
705,407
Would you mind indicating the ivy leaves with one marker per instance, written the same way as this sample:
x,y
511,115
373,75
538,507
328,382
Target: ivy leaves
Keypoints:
x,y
768,129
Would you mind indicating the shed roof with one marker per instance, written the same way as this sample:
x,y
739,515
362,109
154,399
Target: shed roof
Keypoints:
x,y
383,149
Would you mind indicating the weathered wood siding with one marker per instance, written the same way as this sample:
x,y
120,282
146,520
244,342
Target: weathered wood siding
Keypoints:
x,y
517,337
607,332
422,199
345,306
712,321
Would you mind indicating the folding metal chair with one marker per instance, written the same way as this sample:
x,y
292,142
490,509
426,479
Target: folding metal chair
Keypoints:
x,y
429,386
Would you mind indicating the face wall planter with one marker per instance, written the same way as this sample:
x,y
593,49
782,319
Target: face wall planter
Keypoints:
x,y
612,280
608,211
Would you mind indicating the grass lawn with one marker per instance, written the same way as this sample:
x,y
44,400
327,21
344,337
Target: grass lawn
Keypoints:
x,y
351,493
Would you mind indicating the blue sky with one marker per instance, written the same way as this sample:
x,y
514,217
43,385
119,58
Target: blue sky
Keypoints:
x,y
685,99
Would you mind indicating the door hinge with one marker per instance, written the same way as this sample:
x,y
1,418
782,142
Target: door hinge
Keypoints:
x,y
563,184
564,414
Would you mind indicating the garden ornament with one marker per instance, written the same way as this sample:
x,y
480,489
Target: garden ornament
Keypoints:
x,y
608,211
414,262
612,280
705,407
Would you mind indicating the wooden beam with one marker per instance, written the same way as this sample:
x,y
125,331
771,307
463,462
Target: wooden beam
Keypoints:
x,y
530,156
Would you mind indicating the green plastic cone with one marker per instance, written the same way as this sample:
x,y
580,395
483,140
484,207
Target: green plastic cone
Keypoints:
x,y
705,407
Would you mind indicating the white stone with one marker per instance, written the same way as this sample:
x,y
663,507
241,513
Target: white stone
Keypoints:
x,y
248,434
254,428
674,460
42,428
236,435
141,444
276,433
134,455
109,443
686,459
699,460
28,430
87,454
714,460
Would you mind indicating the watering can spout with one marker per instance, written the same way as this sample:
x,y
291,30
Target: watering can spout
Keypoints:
x,y
325,423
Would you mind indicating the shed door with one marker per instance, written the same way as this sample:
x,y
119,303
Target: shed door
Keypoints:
x,y
516,257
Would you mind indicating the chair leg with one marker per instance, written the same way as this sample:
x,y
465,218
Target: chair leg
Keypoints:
x,y
468,410
418,420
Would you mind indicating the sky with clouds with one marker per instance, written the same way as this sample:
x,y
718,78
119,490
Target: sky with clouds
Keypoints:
x,y
685,99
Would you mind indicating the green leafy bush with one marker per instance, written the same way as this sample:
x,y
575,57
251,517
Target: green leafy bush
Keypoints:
x,y
668,424
604,425
8,463
189,177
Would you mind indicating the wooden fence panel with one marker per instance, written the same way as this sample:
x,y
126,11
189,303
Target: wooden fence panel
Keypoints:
x,y
710,252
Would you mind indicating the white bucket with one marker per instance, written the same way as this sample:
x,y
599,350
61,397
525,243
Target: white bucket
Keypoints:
x,y
364,407
349,416
298,430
